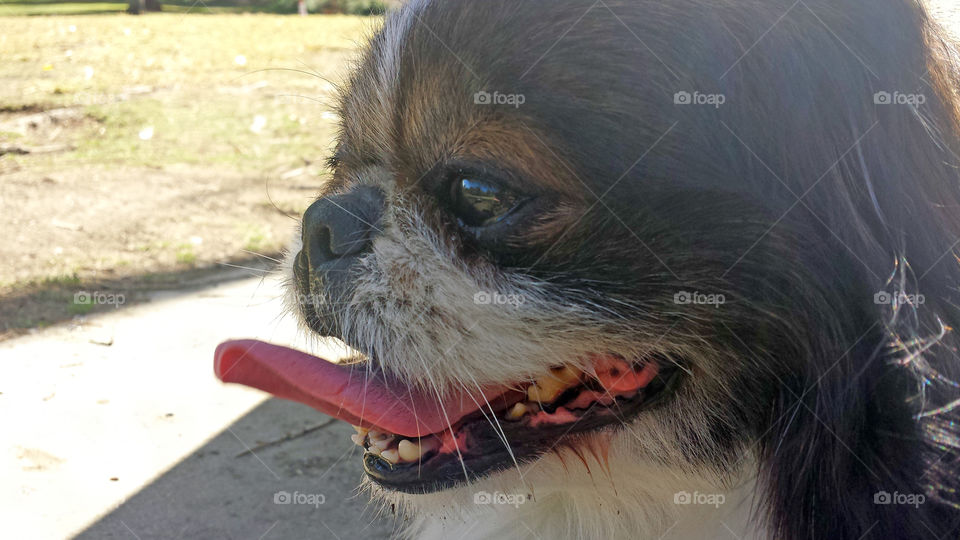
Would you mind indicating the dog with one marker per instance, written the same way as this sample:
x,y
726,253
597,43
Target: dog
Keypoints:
x,y
641,269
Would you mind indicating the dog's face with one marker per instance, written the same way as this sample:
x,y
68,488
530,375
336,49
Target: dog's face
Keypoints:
x,y
477,236
603,238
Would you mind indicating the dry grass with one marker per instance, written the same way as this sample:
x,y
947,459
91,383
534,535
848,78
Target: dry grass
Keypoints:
x,y
157,144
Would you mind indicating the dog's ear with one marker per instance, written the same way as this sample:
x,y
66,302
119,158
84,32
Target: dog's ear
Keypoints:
x,y
862,436
868,428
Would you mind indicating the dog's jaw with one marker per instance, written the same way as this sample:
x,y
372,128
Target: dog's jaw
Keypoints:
x,y
608,485
565,496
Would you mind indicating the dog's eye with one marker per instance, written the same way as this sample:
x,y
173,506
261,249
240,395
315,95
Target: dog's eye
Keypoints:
x,y
477,203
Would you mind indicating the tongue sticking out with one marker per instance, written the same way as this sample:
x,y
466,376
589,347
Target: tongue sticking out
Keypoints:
x,y
348,392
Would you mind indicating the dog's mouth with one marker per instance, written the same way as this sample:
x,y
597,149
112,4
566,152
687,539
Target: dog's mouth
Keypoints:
x,y
417,441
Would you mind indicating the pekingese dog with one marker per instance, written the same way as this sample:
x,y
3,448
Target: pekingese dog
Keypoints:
x,y
642,269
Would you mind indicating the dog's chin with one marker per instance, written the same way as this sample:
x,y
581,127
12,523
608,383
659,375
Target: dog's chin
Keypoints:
x,y
618,483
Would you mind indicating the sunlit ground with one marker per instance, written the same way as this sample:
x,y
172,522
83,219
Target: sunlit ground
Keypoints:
x,y
136,147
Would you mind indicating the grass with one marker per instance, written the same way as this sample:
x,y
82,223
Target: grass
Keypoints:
x,y
185,254
67,8
256,238
180,127
219,89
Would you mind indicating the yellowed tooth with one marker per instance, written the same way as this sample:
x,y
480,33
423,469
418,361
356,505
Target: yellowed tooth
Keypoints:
x,y
549,387
567,374
358,439
374,434
408,450
374,450
517,411
391,455
383,443
361,431
545,390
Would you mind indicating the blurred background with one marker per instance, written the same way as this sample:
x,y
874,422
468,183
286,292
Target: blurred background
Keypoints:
x,y
152,169
135,150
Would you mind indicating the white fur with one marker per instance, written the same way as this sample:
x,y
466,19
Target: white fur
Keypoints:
x,y
568,500
414,308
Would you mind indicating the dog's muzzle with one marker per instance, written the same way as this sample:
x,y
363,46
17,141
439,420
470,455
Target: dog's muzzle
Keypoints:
x,y
337,231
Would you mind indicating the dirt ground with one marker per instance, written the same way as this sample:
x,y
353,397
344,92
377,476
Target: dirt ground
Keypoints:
x,y
139,153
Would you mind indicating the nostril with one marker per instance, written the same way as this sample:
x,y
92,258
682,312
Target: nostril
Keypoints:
x,y
342,225
317,245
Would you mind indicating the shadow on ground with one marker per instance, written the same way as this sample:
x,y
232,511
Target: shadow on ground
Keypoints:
x,y
44,303
221,492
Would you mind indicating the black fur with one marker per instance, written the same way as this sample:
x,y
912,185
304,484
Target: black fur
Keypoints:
x,y
799,199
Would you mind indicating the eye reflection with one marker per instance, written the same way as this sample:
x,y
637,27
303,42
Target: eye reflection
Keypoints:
x,y
478,204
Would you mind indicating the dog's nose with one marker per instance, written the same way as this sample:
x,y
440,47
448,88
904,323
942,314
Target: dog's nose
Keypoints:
x,y
341,226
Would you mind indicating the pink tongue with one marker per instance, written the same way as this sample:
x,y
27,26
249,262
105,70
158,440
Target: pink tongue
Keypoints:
x,y
346,392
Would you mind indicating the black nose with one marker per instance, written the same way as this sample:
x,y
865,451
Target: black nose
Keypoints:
x,y
341,226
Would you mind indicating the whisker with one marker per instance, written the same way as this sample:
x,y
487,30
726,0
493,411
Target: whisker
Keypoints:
x,y
495,424
278,261
256,271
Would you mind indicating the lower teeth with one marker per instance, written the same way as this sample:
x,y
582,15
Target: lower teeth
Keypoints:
x,y
382,444
542,391
390,455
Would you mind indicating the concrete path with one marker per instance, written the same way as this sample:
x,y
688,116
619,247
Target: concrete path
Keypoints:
x,y
115,427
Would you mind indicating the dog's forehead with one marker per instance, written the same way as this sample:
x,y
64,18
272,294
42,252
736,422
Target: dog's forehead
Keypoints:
x,y
445,83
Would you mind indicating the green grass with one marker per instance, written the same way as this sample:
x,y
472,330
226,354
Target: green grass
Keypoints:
x,y
185,254
71,280
78,309
68,8
200,83
256,239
